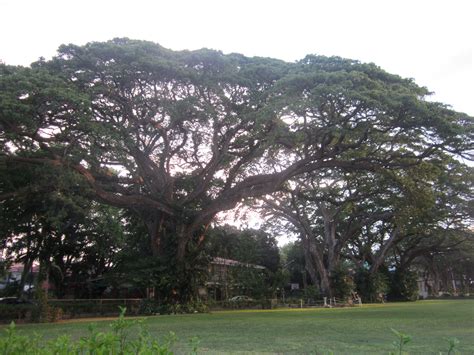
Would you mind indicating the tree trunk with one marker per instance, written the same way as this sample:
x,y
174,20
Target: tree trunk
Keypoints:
x,y
331,245
24,274
436,282
156,232
183,236
309,264
317,258
325,282
177,246
384,249
30,255
330,237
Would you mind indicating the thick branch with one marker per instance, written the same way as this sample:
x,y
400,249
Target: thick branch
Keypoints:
x,y
124,201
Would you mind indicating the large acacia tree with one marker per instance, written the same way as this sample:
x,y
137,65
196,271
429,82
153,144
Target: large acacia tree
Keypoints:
x,y
177,137
374,220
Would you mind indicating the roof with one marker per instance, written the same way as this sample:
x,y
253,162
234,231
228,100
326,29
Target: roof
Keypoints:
x,y
230,262
18,267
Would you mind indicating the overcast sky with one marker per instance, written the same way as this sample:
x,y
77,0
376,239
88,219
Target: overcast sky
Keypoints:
x,y
430,41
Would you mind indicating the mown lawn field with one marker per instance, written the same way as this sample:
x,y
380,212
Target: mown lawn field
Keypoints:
x,y
358,330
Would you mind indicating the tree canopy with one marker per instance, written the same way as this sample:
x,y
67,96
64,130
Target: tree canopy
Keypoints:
x,y
178,136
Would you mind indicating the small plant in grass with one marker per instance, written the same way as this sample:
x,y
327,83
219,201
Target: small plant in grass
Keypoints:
x,y
120,327
402,340
13,343
194,342
453,343
60,345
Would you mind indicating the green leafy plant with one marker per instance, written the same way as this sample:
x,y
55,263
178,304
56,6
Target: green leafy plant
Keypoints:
x,y
342,283
402,340
403,286
370,286
453,343
119,328
115,341
194,342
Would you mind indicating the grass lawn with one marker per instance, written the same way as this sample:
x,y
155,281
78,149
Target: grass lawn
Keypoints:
x,y
344,330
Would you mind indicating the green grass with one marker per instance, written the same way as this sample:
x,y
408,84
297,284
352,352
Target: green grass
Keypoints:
x,y
345,330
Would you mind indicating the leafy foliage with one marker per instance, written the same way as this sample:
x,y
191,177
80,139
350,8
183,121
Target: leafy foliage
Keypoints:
x,y
371,286
341,282
402,340
247,246
116,341
403,285
251,248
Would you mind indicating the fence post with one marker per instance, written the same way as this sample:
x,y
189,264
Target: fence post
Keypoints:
x,y
325,301
301,303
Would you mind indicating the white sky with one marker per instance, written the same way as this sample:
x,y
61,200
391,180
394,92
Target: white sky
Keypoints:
x,y
430,41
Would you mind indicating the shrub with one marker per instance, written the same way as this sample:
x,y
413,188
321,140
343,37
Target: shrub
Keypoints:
x,y
402,340
80,307
342,284
403,286
370,286
17,312
43,312
151,307
311,293
10,290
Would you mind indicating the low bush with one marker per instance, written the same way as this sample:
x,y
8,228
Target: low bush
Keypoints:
x,y
403,339
151,307
371,286
403,286
77,308
17,312
43,312
341,283
311,293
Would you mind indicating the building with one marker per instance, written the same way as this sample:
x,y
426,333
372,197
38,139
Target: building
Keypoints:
x,y
223,282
